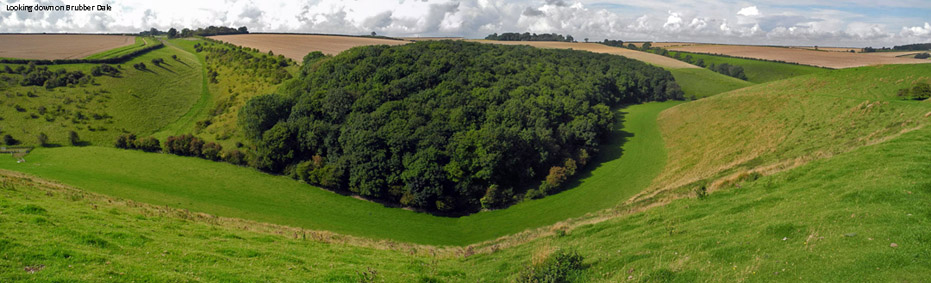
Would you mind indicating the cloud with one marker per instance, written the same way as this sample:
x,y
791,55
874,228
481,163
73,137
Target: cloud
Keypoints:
x,y
917,31
751,11
532,12
560,3
808,22
673,22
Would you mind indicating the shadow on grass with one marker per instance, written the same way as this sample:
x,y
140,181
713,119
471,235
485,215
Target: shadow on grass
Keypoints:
x,y
182,62
166,69
610,149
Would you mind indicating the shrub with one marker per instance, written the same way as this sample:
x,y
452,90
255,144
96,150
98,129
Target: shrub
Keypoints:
x,y
42,138
184,145
235,156
73,138
495,197
126,141
554,268
920,91
211,151
149,144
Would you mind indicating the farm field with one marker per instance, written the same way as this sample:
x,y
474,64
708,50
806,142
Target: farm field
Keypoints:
x,y
59,46
758,71
836,60
701,82
296,46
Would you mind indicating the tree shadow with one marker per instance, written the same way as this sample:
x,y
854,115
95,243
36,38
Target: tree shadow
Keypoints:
x,y
166,69
182,62
82,143
610,149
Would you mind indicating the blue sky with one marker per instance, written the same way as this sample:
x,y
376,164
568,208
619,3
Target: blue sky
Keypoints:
x,y
853,23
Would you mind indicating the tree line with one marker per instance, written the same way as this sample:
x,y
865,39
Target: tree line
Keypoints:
x,y
513,36
32,75
186,32
913,47
446,126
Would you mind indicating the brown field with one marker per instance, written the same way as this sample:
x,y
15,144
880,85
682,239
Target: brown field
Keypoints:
x,y
59,46
830,49
296,46
835,60
600,48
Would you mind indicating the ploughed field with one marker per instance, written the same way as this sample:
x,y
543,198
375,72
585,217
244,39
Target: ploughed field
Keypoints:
x,y
59,46
836,60
296,46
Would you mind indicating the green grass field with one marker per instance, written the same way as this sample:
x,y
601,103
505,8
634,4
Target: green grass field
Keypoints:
x,y
759,71
700,83
859,216
634,156
139,102
779,125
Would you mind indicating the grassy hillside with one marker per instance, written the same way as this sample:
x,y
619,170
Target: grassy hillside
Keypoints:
x,y
626,166
859,216
758,71
217,120
779,125
700,83
137,101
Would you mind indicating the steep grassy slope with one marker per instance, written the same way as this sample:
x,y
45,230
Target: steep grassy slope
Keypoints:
x,y
626,166
783,124
758,71
700,83
859,216
140,102
234,84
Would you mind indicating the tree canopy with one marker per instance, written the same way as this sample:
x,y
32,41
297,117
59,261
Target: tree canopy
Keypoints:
x,y
439,125
513,36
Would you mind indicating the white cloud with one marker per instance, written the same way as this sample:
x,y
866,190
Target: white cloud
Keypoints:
x,y
673,22
706,20
917,31
751,11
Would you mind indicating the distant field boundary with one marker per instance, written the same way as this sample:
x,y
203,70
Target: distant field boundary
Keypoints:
x,y
112,60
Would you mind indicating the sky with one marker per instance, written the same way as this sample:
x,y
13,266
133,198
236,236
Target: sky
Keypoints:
x,y
853,23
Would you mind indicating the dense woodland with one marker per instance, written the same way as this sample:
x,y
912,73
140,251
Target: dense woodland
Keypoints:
x,y
446,126
513,36
913,47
